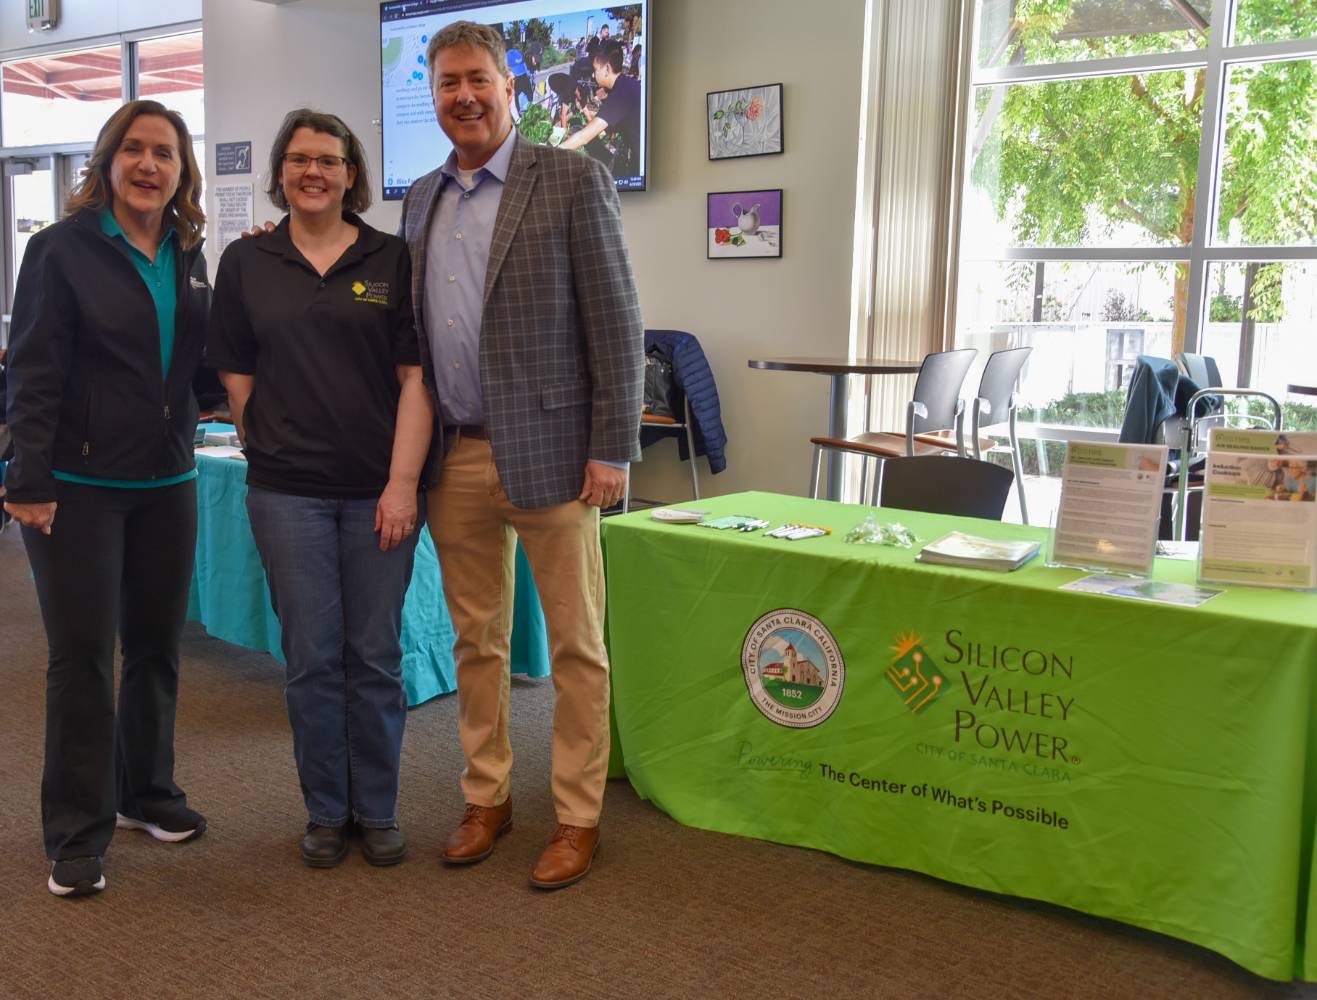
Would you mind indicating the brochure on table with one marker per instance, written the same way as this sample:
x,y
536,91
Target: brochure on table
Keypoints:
x,y
1259,514
1110,505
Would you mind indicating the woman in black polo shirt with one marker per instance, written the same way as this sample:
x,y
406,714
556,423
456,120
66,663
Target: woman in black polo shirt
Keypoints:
x,y
311,329
107,331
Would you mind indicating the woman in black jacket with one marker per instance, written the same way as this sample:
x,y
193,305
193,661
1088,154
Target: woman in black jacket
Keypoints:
x,y
107,332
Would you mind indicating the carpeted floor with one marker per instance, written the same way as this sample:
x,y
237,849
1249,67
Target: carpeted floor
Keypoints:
x,y
667,912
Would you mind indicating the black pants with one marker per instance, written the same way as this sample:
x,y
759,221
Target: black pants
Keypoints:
x,y
116,560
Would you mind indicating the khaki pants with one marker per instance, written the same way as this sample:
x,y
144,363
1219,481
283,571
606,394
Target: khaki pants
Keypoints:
x,y
473,524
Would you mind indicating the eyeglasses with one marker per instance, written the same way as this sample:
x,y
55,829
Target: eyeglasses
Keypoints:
x,y
329,165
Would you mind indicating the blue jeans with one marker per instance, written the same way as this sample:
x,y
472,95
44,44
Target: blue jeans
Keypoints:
x,y
339,601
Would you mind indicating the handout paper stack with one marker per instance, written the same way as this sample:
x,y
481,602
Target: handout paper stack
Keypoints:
x,y
973,552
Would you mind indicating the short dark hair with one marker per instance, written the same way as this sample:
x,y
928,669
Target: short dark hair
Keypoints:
x,y
612,55
357,197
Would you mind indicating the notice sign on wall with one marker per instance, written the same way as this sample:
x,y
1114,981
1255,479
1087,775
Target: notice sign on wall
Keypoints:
x,y
233,212
233,157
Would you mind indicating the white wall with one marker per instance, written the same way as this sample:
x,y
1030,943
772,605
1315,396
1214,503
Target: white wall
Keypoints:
x,y
81,19
263,59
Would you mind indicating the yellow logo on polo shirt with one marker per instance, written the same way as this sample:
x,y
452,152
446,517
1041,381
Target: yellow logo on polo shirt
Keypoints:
x,y
374,292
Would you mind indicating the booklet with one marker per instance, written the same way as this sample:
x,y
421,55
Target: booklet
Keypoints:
x,y
1259,514
1111,498
973,552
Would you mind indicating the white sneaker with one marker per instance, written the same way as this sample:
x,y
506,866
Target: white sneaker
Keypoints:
x,y
76,877
190,824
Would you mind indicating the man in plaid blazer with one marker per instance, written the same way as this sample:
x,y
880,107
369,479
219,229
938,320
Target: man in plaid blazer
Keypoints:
x,y
533,344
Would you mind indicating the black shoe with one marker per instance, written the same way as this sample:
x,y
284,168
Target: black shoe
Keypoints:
x,y
76,877
382,847
173,825
324,846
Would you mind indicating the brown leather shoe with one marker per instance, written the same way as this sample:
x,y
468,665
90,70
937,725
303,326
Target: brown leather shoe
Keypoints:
x,y
567,858
473,840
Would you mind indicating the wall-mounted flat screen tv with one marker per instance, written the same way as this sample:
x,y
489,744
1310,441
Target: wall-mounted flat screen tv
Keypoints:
x,y
574,65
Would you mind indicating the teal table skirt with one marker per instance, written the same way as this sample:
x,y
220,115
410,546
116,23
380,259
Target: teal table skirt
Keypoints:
x,y
230,598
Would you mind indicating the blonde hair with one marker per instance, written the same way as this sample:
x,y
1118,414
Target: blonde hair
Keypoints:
x,y
93,191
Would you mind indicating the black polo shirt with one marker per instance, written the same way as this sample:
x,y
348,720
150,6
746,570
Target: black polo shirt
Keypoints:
x,y
323,353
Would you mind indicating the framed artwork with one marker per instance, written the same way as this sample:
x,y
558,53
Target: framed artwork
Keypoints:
x,y
744,224
745,122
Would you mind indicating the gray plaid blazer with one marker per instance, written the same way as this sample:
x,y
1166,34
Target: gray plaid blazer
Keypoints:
x,y
561,339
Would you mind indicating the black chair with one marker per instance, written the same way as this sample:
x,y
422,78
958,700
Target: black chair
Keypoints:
x,y
1201,368
994,406
946,484
936,406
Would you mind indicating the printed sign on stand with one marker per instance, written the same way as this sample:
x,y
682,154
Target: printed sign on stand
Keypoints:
x,y
1260,509
1110,505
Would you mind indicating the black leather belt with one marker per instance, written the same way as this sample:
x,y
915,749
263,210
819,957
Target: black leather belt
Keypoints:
x,y
475,431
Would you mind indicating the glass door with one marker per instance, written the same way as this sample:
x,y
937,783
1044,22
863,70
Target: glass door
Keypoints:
x,y
34,192
28,191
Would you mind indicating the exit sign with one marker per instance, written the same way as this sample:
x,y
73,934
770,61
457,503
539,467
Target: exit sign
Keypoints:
x,y
42,15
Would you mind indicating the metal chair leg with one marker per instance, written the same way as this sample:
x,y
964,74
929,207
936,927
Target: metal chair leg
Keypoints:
x,y
690,450
817,473
864,479
878,464
1017,466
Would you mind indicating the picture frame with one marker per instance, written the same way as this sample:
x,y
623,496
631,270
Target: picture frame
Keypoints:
x,y
745,122
743,225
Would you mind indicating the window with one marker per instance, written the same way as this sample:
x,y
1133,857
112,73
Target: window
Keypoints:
x,y
1141,178
59,98
52,106
169,70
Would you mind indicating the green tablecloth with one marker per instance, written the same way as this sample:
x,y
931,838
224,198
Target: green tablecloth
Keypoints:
x,y
230,597
1137,761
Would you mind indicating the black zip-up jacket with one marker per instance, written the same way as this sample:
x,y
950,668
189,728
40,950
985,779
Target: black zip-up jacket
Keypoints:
x,y
86,393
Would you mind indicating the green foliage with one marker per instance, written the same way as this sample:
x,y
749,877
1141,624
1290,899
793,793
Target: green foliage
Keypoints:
x,y
1080,409
1107,409
1225,309
535,125
1125,148
1268,302
1065,156
1275,20
1269,184
1294,416
1117,309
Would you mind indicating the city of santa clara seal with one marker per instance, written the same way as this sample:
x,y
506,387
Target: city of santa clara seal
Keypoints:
x,y
793,668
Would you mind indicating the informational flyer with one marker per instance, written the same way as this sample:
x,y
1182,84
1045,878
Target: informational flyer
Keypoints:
x,y
233,212
1110,503
1182,595
1259,514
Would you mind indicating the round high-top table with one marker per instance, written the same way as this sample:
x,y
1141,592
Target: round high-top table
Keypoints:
x,y
838,369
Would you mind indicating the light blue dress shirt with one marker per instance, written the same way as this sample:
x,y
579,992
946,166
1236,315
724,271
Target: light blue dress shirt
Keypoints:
x,y
456,261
